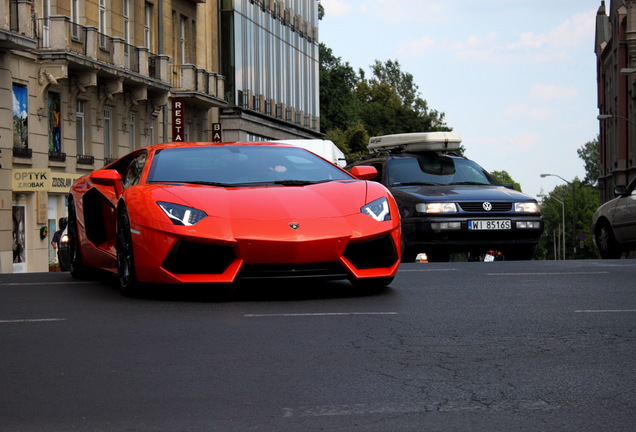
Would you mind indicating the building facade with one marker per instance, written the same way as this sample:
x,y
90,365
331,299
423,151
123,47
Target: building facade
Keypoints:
x,y
83,82
615,48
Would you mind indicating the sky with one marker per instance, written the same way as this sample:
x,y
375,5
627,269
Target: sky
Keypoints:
x,y
515,78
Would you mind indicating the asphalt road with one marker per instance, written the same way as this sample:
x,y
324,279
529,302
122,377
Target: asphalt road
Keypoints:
x,y
504,346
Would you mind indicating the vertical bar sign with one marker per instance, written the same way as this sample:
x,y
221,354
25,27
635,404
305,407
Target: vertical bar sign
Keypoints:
x,y
178,120
217,132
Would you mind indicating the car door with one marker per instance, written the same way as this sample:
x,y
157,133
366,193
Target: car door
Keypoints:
x,y
624,220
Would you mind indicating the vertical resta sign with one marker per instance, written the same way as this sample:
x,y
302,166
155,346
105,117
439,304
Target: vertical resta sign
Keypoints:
x,y
178,120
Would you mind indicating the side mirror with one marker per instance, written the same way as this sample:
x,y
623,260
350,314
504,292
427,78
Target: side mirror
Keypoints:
x,y
364,172
620,190
107,177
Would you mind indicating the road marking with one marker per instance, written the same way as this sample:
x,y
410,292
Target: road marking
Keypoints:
x,y
429,270
547,273
317,314
32,320
605,311
413,407
44,283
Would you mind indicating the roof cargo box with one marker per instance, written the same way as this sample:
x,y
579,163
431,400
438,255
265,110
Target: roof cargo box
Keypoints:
x,y
416,142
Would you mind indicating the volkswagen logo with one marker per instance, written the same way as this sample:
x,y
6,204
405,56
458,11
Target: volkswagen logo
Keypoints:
x,y
487,206
294,226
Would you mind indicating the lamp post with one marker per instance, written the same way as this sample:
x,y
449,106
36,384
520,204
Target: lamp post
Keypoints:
x,y
573,211
563,221
611,116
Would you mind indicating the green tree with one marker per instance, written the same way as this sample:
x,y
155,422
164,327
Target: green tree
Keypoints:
x,y
338,105
587,201
504,178
590,153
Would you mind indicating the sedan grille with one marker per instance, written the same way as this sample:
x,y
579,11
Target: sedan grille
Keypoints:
x,y
376,253
478,206
198,258
328,270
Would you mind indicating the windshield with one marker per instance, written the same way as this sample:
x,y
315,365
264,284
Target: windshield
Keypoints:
x,y
437,170
242,165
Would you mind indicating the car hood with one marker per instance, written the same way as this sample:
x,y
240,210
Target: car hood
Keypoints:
x,y
460,193
323,200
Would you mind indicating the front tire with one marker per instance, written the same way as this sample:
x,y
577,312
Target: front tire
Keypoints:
x,y
76,264
126,275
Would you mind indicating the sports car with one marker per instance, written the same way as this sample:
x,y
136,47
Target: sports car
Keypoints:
x,y
210,213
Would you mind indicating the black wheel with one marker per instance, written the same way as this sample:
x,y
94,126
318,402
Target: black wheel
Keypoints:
x,y
606,242
126,275
76,264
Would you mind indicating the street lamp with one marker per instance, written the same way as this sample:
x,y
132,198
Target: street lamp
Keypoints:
x,y
611,116
563,221
573,211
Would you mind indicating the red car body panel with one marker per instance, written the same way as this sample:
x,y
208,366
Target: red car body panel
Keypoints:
x,y
255,222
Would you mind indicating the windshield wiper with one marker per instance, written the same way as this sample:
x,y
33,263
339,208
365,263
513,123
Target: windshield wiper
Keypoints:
x,y
471,183
298,182
209,183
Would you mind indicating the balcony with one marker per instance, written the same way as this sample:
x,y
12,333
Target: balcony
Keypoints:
x,y
16,27
84,47
205,88
22,152
55,156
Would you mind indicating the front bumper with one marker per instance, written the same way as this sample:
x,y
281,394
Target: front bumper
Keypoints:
x,y
433,234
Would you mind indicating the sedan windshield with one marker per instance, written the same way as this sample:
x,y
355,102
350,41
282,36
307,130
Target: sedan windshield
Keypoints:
x,y
437,170
242,166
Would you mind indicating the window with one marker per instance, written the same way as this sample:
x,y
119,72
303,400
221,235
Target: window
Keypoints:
x,y
80,128
20,117
75,28
182,37
55,125
46,22
127,39
108,133
132,131
103,30
147,25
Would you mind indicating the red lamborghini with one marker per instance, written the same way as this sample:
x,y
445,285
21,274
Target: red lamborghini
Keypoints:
x,y
218,213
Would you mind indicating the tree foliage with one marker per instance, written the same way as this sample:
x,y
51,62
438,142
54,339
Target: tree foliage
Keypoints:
x,y
557,205
590,153
353,106
504,178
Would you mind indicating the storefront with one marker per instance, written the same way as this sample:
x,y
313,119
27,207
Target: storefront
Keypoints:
x,y
38,202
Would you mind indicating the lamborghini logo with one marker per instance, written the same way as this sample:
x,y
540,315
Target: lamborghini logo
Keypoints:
x,y
294,226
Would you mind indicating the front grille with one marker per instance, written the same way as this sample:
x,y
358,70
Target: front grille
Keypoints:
x,y
329,270
478,206
198,258
376,253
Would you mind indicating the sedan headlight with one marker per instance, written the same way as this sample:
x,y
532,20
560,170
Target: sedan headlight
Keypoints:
x,y
378,210
181,215
448,207
526,207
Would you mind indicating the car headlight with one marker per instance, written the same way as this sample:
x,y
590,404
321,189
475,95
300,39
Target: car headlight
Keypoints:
x,y
526,207
448,207
181,215
378,210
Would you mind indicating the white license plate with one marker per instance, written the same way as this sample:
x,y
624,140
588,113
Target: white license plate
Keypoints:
x,y
488,225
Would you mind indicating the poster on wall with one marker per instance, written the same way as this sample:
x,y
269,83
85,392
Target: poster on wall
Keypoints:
x,y
55,131
19,239
20,117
